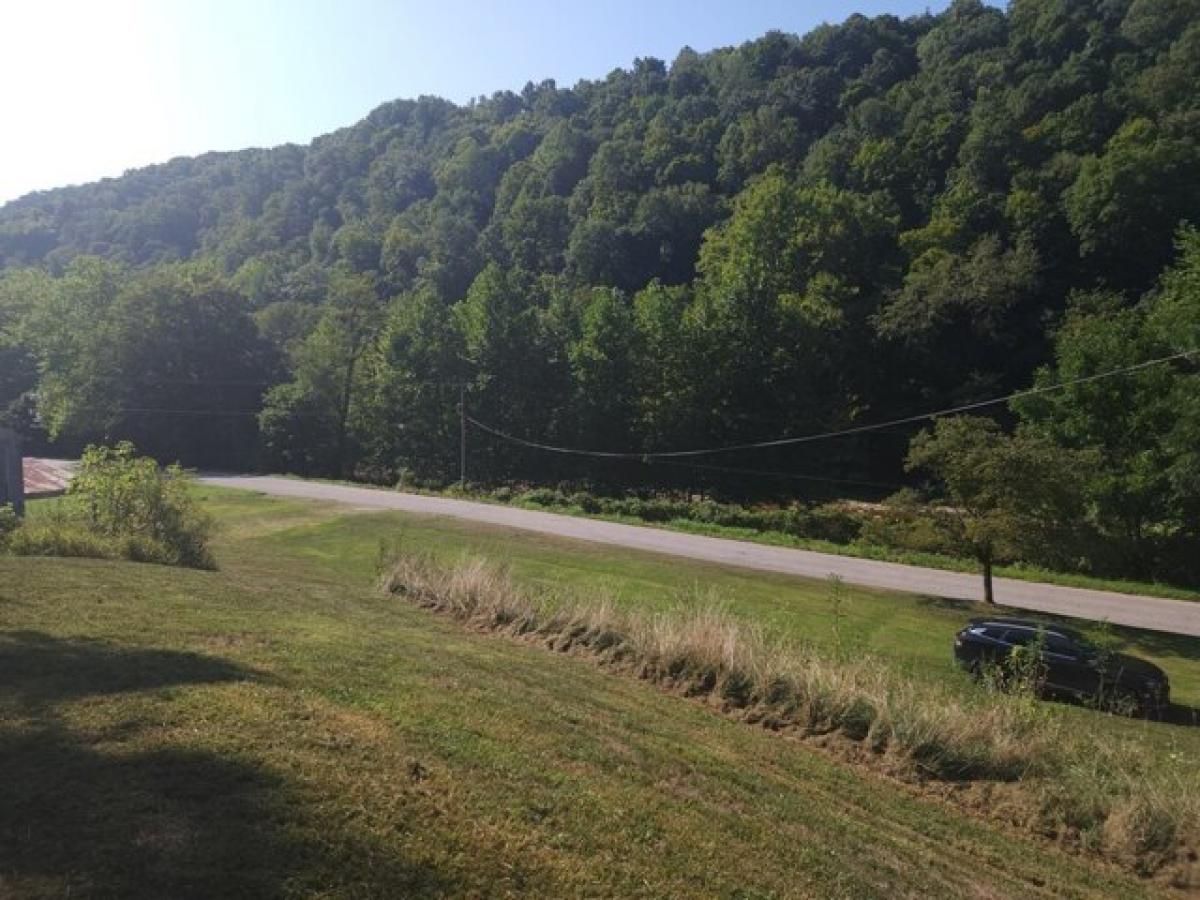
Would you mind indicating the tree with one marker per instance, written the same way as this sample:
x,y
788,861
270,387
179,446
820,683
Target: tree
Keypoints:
x,y
1141,425
408,416
307,421
19,291
1126,204
997,493
602,371
167,357
976,291
519,375
1122,421
786,287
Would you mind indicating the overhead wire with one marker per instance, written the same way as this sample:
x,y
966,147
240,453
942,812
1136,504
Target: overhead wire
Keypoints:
x,y
827,435
765,473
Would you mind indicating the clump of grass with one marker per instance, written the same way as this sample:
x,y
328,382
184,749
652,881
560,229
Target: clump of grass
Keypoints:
x,y
704,651
1097,798
55,537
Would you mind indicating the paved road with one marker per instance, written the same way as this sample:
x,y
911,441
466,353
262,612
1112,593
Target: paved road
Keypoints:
x,y
1178,616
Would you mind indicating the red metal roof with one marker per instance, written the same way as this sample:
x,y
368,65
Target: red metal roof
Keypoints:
x,y
44,476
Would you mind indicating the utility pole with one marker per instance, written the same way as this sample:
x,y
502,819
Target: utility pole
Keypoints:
x,y
462,435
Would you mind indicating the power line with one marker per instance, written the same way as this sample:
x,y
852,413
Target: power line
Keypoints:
x,y
162,410
828,435
737,470
197,382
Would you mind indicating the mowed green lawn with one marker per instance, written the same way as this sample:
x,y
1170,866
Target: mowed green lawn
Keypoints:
x,y
915,632
279,727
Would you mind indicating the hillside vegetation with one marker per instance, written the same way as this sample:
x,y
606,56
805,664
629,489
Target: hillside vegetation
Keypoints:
x,y
799,235
279,728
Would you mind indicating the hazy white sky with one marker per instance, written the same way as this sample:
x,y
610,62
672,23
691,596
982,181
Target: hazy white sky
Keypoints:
x,y
95,87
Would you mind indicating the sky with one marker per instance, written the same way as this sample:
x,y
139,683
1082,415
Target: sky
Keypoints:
x,y
96,87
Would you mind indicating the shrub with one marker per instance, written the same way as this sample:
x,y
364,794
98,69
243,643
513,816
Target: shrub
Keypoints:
x,y
146,508
121,505
905,523
584,501
835,522
542,497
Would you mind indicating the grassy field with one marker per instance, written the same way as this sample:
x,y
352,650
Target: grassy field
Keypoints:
x,y
859,549
280,728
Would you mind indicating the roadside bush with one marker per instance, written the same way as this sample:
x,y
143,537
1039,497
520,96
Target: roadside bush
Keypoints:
x,y
548,497
121,505
584,501
905,523
835,522
147,507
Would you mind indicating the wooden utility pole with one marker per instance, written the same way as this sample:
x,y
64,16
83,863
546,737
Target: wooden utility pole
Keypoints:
x,y
12,478
462,435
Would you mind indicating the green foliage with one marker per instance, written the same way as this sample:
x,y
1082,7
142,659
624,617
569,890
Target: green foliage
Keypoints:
x,y
976,291
9,522
124,501
1004,493
1144,494
168,357
60,536
1128,202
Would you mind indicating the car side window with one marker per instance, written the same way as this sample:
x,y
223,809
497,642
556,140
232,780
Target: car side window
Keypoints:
x,y
1058,644
1019,637
989,632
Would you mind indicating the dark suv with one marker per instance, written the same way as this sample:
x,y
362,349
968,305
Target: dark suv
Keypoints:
x,y
1071,666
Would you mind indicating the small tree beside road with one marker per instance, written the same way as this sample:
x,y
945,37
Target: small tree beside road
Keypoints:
x,y
997,494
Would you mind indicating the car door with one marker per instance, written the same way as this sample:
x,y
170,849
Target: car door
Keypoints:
x,y
983,645
1068,668
1021,640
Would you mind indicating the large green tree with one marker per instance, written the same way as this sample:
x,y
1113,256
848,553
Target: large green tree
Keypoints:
x,y
996,495
169,358
1141,424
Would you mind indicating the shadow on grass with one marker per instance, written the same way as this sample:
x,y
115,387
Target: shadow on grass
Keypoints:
x,y
38,671
82,819
1179,714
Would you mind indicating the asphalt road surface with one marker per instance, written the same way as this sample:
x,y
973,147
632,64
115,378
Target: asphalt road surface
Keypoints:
x,y
1177,616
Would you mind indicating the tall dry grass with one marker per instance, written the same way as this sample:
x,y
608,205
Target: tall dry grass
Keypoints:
x,y
1098,795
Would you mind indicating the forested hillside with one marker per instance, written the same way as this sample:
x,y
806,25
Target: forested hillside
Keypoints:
x,y
798,235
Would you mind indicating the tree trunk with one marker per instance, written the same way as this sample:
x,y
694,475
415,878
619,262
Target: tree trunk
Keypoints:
x,y
989,595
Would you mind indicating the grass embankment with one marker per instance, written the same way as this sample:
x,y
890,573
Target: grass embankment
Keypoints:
x,y
278,728
1101,795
